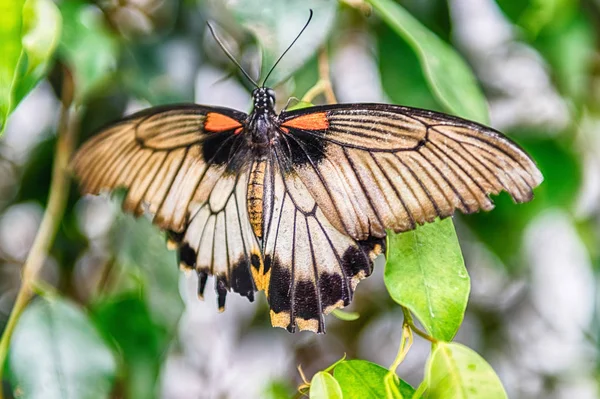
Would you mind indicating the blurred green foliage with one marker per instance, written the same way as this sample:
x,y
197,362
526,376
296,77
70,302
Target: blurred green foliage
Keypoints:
x,y
122,317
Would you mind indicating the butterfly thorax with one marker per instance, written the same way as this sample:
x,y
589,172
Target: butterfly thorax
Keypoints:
x,y
261,121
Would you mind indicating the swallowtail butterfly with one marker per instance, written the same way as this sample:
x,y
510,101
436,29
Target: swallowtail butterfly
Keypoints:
x,y
297,204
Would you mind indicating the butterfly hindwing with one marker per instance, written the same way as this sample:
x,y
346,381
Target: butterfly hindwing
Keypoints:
x,y
219,241
311,266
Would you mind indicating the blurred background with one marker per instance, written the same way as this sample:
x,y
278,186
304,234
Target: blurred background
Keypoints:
x,y
534,267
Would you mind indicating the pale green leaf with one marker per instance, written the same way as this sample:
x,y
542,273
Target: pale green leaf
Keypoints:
x,y
344,315
454,371
425,272
57,353
324,386
449,77
30,31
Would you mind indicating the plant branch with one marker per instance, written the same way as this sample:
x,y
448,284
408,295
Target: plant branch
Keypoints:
x,y
409,321
59,188
323,85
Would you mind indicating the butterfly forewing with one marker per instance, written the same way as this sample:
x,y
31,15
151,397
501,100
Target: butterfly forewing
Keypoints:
x,y
398,167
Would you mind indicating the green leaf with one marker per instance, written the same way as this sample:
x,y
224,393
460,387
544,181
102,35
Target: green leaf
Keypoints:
x,y
324,386
449,77
279,389
127,322
57,353
141,248
345,316
30,31
275,25
425,272
454,371
365,380
88,47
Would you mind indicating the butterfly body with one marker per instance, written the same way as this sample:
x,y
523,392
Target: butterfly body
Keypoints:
x,y
298,204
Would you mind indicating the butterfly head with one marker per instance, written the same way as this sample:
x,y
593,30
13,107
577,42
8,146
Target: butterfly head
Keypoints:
x,y
264,99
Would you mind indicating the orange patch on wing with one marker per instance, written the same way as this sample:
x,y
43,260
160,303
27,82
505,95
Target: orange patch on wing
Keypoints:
x,y
216,122
316,121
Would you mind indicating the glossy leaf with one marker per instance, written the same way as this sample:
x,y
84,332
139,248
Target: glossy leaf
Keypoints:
x,y
425,272
30,31
324,386
275,25
360,379
57,353
87,46
454,371
448,75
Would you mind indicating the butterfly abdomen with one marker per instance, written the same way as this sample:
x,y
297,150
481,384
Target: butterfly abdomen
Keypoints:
x,y
255,196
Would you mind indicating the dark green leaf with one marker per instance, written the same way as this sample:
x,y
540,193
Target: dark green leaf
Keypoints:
x,y
402,77
276,24
141,342
426,273
360,379
88,47
57,353
279,390
142,250
449,77
324,386
457,372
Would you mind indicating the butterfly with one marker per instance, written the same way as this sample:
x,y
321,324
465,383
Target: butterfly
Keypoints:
x,y
297,204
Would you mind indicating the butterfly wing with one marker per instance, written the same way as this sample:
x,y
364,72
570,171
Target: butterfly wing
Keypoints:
x,y
374,167
184,165
344,174
310,267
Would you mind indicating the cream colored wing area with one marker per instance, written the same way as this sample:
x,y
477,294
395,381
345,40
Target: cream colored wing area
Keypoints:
x,y
159,158
379,167
310,267
219,241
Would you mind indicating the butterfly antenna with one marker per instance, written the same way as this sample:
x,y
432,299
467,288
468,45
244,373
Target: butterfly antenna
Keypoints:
x,y
229,55
289,47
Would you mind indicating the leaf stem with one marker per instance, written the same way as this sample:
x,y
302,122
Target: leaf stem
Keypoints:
x,y
409,321
59,188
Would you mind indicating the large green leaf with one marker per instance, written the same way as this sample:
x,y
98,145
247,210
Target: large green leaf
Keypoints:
x,y
449,77
324,386
360,379
275,24
426,273
454,371
29,32
142,250
142,343
57,353
87,46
